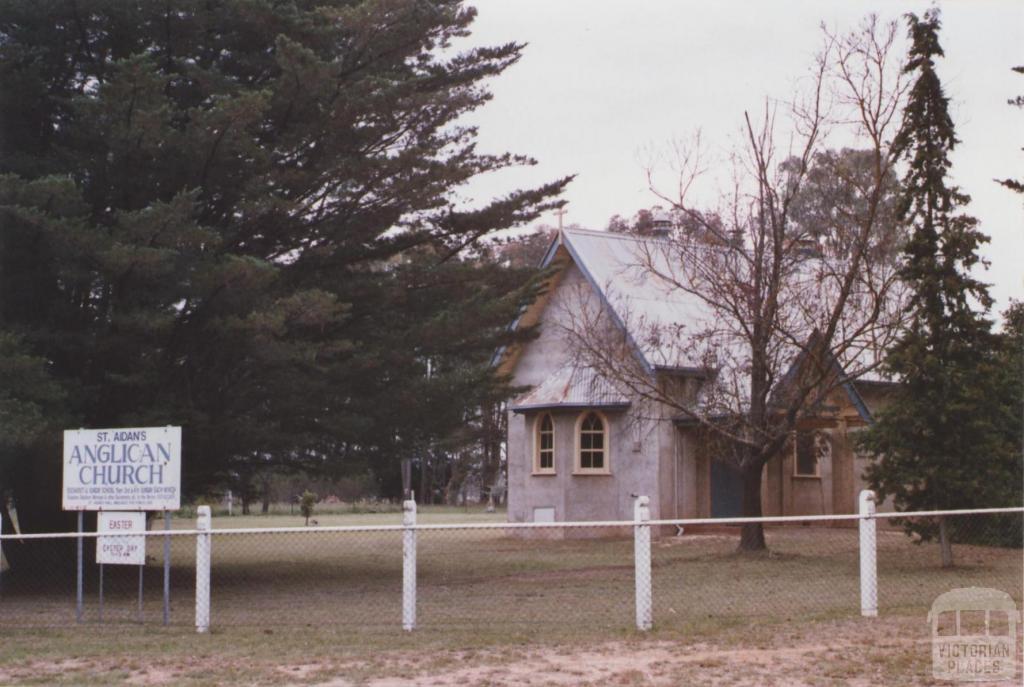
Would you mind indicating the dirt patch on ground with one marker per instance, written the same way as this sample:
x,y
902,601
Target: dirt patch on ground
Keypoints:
x,y
154,675
664,663
37,671
859,652
852,652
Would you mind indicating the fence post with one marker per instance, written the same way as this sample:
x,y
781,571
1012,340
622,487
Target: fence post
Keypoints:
x,y
408,565
868,555
203,524
642,562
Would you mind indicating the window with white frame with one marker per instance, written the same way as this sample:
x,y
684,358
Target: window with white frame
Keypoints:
x,y
544,443
592,443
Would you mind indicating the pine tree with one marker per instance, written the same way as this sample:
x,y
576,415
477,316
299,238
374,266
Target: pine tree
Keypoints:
x,y
208,212
936,445
1017,101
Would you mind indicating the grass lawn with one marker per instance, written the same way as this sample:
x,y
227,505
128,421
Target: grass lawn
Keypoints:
x,y
334,600
892,650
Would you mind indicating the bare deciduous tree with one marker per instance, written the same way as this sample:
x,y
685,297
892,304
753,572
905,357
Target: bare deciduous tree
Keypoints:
x,y
763,323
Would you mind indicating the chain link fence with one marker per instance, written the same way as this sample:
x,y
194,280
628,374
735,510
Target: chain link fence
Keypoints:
x,y
493,578
40,588
811,571
522,580
986,550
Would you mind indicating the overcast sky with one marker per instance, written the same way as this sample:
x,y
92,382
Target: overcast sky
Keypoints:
x,y
602,83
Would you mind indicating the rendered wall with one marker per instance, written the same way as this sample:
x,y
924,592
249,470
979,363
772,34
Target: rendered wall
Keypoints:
x,y
634,455
633,470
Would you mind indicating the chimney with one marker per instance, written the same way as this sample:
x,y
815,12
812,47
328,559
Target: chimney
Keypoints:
x,y
661,222
808,247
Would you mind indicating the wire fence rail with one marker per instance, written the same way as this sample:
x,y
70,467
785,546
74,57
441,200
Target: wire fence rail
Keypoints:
x,y
601,577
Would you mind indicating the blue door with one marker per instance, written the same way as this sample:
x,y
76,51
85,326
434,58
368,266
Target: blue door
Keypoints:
x,y
726,491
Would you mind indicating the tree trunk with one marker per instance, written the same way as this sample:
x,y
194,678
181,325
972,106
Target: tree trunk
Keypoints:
x,y
494,432
424,476
265,507
245,490
945,544
752,533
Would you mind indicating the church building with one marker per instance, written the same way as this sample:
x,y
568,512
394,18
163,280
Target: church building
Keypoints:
x,y
582,445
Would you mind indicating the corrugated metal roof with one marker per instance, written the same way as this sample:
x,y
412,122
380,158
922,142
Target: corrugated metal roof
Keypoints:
x,y
657,316
672,328
572,386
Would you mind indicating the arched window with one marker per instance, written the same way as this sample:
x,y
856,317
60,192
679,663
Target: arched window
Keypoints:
x,y
592,443
544,455
810,449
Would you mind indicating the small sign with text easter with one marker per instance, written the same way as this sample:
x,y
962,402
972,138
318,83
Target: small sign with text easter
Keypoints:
x,y
121,546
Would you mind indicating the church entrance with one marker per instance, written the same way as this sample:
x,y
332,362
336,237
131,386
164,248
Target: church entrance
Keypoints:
x,y
726,491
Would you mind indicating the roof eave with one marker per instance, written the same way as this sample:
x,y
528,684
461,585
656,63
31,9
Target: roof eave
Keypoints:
x,y
500,359
684,371
876,383
690,421
623,405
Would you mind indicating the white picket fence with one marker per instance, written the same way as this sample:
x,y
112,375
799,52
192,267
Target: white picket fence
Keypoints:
x,y
641,525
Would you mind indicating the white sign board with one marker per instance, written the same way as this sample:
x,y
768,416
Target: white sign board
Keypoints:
x,y
121,550
136,468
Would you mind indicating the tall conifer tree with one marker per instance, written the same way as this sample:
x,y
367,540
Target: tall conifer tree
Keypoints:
x,y
1017,101
937,443
244,218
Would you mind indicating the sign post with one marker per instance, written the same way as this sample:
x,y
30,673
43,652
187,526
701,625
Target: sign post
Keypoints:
x,y
117,545
123,469
141,568
78,585
167,568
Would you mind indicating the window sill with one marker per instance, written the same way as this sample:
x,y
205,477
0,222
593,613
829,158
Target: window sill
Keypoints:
x,y
806,476
543,473
585,473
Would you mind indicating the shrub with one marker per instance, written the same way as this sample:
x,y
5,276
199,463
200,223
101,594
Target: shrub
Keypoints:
x,y
306,504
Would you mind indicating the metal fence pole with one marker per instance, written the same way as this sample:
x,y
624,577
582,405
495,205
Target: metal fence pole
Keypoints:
x,y
101,593
167,568
203,524
80,570
642,562
868,556
408,565
141,568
